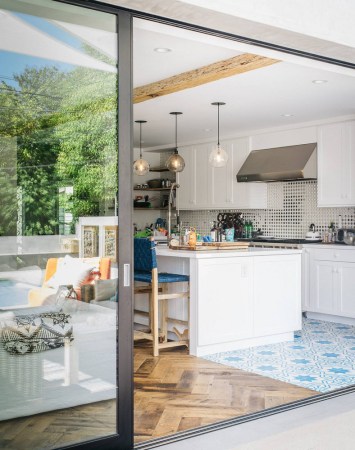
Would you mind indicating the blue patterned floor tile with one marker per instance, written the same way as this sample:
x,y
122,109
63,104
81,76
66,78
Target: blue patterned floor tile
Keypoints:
x,y
322,357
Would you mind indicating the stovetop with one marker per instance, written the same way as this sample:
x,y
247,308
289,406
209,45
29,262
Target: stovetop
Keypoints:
x,y
286,240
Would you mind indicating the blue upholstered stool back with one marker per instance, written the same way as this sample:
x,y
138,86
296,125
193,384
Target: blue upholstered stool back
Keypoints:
x,y
145,258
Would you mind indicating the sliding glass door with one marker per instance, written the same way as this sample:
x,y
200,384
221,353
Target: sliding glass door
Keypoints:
x,y
63,185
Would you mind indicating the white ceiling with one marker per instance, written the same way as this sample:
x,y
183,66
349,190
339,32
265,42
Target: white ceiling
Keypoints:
x,y
255,100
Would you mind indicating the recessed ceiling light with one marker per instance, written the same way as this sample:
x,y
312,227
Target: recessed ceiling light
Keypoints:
x,y
287,115
162,50
319,81
207,129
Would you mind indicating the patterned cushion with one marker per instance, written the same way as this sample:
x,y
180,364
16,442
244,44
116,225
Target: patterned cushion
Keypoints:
x,y
36,332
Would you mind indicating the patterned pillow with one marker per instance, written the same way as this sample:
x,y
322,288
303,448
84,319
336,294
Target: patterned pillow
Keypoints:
x,y
36,332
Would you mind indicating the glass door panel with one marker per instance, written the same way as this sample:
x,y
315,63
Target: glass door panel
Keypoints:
x,y
58,278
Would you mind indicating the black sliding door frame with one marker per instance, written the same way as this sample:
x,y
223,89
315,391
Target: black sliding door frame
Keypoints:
x,y
123,440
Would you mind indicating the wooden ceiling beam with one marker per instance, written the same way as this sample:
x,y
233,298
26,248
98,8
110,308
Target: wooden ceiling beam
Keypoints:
x,y
197,77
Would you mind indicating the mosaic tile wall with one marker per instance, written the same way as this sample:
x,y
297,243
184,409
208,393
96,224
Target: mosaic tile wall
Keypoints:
x,y
292,207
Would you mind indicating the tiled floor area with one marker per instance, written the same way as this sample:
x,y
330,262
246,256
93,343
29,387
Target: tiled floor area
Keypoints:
x,y
322,357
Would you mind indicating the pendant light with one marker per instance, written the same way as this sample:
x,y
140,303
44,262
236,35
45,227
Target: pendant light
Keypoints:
x,y
218,156
140,166
175,162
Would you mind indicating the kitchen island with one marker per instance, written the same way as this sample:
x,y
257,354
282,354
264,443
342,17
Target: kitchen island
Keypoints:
x,y
238,299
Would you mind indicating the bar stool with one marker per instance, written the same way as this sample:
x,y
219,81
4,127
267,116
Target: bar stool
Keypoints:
x,y
146,271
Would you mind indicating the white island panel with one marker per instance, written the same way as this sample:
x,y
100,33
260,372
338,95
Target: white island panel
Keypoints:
x,y
237,298
224,300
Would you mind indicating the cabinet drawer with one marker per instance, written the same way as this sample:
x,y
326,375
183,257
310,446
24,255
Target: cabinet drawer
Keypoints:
x,y
334,254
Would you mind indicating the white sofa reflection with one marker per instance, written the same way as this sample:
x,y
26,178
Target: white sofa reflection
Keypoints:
x,y
80,372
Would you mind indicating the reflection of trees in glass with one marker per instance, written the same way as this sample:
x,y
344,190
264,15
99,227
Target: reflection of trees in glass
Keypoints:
x,y
88,144
26,117
65,128
8,186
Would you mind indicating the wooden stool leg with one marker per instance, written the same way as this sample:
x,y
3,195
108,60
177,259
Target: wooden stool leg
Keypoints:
x,y
150,312
155,313
164,314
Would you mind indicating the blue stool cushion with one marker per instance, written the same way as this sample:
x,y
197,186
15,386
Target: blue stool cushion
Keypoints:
x,y
141,275
172,277
146,277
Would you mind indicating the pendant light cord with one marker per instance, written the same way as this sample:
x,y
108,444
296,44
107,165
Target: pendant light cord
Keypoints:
x,y
218,126
140,140
176,134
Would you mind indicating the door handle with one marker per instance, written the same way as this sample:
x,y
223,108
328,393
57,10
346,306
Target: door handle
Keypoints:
x,y
126,275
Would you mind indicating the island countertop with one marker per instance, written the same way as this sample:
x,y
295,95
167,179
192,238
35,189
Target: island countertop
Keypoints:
x,y
205,254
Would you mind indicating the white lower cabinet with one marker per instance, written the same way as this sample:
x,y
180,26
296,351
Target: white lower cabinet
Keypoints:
x,y
276,304
249,297
331,282
322,287
225,300
345,273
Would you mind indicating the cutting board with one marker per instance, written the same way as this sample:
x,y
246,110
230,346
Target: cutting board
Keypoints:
x,y
209,246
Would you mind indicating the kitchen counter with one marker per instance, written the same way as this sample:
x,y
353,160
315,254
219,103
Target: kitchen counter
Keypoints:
x,y
239,298
252,251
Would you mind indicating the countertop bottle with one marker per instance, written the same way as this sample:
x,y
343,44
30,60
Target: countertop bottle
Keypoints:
x,y
213,233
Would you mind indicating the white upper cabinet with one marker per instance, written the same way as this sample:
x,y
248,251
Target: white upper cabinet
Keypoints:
x,y
336,164
186,194
205,187
246,195
194,191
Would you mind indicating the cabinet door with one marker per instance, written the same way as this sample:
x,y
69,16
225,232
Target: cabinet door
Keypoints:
x,y
222,180
224,300
322,287
345,274
306,267
246,195
186,193
202,176
277,306
336,164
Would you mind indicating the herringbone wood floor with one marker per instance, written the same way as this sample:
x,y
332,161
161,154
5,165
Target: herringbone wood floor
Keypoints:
x,y
174,392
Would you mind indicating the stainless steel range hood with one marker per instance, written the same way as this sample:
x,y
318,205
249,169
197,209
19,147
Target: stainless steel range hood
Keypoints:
x,y
295,162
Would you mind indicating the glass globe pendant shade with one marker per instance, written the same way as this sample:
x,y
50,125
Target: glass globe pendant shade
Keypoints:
x,y
141,167
218,157
175,163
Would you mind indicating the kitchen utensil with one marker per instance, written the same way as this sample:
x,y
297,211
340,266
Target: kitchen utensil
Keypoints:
x,y
349,237
154,184
312,234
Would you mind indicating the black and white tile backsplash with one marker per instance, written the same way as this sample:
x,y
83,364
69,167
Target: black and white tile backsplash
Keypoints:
x,y
292,207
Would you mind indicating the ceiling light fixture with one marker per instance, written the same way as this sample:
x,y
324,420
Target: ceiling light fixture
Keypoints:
x,y
175,162
286,115
162,50
218,156
140,166
319,81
